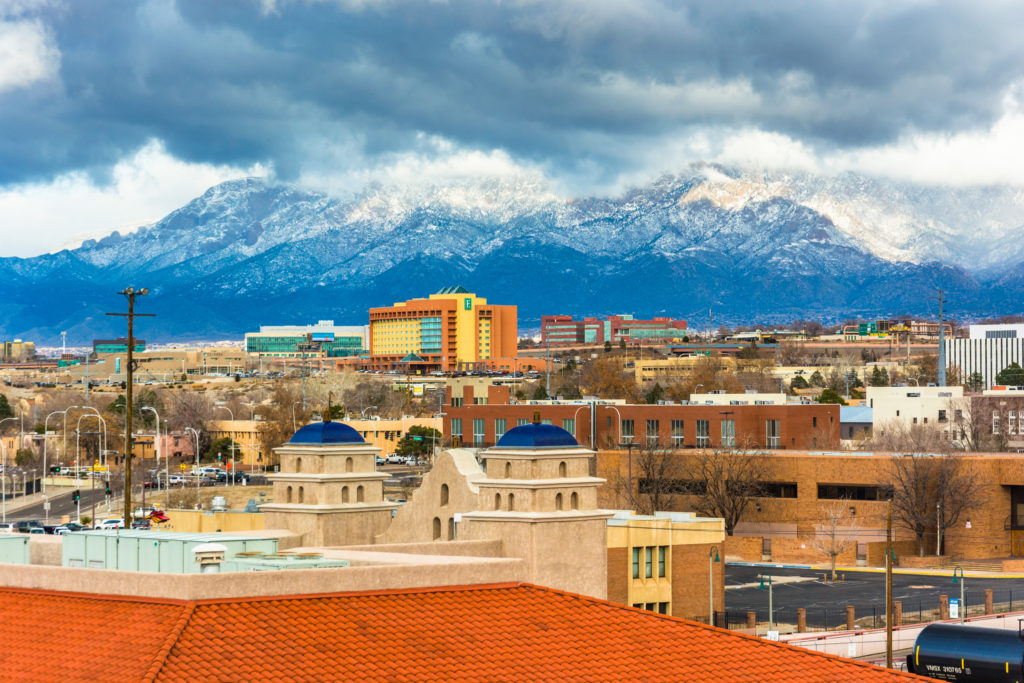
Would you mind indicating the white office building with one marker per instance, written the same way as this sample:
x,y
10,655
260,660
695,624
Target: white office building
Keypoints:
x,y
987,351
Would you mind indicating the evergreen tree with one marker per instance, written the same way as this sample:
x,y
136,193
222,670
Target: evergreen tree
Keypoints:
x,y
975,382
799,382
830,396
817,380
1012,375
5,408
655,394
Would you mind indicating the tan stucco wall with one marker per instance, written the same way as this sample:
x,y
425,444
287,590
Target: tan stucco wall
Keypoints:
x,y
568,554
200,521
414,521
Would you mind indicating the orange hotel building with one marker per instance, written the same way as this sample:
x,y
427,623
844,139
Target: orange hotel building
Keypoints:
x,y
451,330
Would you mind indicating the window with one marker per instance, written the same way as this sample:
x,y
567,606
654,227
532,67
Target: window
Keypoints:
x,y
437,528
728,433
652,432
298,464
511,502
636,563
627,431
662,608
853,492
478,431
457,426
508,470
456,402
444,494
703,433
522,421
545,421
569,426
677,433
662,552
344,494
814,421
558,501
301,496
348,464
942,416
497,501
648,563
359,494
289,494
995,422
499,428
1011,422
561,470
772,433
778,489
574,501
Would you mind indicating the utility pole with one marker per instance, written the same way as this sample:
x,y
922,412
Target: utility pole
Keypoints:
x,y
548,388
941,379
129,293
888,587
938,529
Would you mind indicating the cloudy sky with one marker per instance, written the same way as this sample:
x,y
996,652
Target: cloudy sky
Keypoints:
x,y
115,113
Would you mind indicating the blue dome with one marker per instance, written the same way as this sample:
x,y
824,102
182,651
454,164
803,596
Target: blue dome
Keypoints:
x,y
537,435
326,432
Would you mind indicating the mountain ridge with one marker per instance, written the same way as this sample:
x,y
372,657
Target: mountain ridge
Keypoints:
x,y
754,247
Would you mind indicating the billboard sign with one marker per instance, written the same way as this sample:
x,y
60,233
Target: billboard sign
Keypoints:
x,y
322,337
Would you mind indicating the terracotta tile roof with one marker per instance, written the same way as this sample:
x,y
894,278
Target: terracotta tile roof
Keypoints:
x,y
496,633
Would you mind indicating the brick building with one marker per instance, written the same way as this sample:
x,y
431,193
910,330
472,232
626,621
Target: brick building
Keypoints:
x,y
480,421
801,486
562,330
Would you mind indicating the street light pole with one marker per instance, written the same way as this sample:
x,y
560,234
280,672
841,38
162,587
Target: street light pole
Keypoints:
x,y
712,558
196,435
45,442
962,607
231,450
771,623
159,451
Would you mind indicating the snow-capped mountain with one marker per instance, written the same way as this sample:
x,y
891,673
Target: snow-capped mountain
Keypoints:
x,y
754,246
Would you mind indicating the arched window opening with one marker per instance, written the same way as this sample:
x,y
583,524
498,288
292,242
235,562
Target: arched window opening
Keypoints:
x,y
298,464
558,501
289,494
348,464
359,494
511,501
574,501
561,470
497,501
437,528
344,494
508,470
444,494
302,494
451,528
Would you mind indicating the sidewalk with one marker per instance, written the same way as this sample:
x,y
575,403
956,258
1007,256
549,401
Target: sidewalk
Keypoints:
x,y
879,570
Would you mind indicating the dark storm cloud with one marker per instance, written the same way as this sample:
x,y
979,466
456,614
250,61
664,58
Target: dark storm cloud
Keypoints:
x,y
224,82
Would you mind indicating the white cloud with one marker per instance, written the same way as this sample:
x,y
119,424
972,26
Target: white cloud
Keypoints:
x,y
145,187
28,54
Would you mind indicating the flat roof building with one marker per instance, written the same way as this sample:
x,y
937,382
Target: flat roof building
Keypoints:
x,y
322,340
453,329
562,330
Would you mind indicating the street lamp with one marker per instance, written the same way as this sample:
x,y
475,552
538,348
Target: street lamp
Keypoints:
x,y
962,607
159,450
577,428
768,586
712,558
46,441
303,402
196,435
695,390
233,448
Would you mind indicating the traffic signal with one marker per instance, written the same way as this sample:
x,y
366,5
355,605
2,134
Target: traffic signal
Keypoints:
x,y
76,496
107,491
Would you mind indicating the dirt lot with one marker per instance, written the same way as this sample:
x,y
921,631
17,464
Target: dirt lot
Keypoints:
x,y
236,496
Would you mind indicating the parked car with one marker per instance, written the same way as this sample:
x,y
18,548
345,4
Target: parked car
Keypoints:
x,y
409,460
75,526
37,530
8,528
26,525
141,524
176,479
61,530
394,459
112,523
381,460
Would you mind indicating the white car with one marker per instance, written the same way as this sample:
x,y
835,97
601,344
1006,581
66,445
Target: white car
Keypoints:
x,y
395,459
112,523
176,479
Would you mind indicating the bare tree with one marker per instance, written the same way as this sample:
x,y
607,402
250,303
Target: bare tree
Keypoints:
x,y
834,533
726,482
898,437
660,475
930,491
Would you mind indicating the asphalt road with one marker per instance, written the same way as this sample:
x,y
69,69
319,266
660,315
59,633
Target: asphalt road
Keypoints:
x,y
826,602
62,505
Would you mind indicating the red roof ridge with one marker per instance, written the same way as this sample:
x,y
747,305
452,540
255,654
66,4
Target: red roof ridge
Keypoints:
x,y
97,596
362,593
172,638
